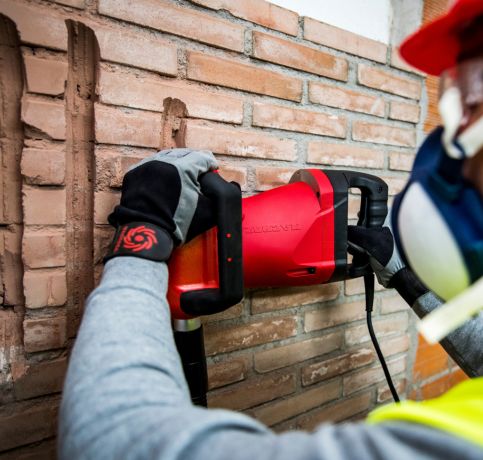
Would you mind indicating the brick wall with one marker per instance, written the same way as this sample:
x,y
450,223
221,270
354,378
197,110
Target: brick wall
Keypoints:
x,y
89,87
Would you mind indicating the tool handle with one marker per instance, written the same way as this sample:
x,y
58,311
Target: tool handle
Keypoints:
x,y
227,200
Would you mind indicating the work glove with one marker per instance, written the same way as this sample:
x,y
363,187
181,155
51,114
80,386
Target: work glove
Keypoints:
x,y
162,205
390,270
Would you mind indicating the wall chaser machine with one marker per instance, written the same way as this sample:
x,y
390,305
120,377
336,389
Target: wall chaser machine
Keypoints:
x,y
293,235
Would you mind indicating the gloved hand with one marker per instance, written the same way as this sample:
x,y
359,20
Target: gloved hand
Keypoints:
x,y
161,204
390,270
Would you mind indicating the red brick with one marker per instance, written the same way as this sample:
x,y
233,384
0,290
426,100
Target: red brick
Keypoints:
x,y
275,116
228,338
104,203
43,167
28,424
344,155
404,111
395,183
383,134
44,248
176,20
329,316
226,372
367,377
401,161
102,239
233,312
287,53
258,11
148,93
44,333
45,288
45,74
336,412
138,50
269,177
394,345
383,327
11,265
278,411
339,97
430,360
10,329
74,3
43,206
45,115
388,82
38,379
281,298
253,392
288,355
37,26
344,40
234,173
219,139
233,74
384,394
393,304
336,366
127,126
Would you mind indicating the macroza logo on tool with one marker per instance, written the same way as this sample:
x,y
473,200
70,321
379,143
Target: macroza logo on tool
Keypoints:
x,y
137,239
272,228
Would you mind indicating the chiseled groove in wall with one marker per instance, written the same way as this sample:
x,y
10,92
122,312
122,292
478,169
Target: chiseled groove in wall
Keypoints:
x,y
11,144
83,59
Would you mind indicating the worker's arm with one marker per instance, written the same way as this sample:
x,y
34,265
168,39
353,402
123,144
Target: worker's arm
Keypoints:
x,y
125,395
464,344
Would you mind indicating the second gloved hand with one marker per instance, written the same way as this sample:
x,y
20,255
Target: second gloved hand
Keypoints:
x,y
390,270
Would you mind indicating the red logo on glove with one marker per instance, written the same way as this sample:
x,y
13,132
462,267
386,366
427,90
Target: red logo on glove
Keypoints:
x,y
139,238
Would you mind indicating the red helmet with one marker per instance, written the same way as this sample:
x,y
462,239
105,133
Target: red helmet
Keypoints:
x,y
441,44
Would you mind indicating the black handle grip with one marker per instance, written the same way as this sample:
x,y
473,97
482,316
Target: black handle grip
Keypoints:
x,y
227,199
372,213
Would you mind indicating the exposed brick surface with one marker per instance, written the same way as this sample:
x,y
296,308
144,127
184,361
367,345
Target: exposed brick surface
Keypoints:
x,y
269,177
45,115
258,11
330,316
279,299
137,50
44,206
383,134
45,75
329,368
344,155
275,116
404,111
389,82
230,73
287,355
339,97
344,40
224,339
383,326
256,391
43,167
393,304
128,90
167,17
279,51
104,203
202,135
226,372
276,412
44,333
401,161
44,288
45,248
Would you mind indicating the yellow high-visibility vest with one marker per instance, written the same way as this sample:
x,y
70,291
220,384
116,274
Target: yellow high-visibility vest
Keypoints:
x,y
459,411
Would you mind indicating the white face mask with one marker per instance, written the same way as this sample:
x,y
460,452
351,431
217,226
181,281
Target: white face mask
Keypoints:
x,y
470,141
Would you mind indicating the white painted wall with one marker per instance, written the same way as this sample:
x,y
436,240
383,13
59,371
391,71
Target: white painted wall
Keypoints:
x,y
369,18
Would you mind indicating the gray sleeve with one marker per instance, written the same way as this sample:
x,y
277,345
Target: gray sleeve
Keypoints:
x,y
463,344
125,396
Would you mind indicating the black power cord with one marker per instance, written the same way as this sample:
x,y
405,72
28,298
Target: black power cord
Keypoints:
x,y
369,289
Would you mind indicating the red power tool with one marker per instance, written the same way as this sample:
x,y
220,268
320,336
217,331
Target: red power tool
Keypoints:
x,y
293,235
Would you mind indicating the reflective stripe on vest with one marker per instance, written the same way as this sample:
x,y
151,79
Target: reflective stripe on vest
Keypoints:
x,y
459,411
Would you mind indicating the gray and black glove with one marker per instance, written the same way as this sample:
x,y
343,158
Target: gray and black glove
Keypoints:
x,y
162,205
390,270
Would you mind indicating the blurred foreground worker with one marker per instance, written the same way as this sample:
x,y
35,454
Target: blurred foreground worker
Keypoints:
x,y
125,395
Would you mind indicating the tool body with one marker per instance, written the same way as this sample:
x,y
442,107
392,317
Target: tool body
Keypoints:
x,y
293,235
